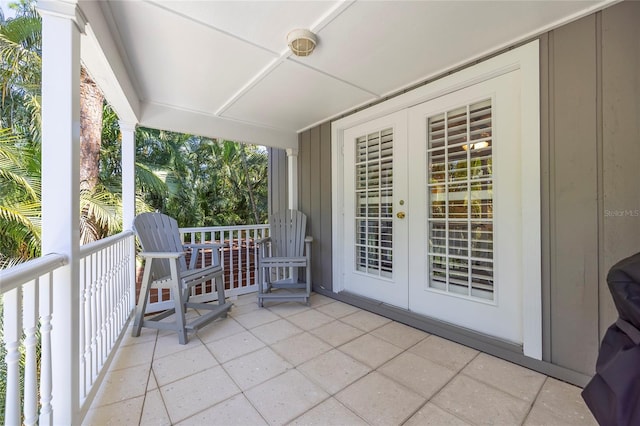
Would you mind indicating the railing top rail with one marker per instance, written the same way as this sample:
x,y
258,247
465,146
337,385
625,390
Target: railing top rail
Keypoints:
x,y
96,246
15,276
224,228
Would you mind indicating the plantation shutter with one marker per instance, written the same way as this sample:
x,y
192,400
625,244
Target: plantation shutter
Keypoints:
x,y
374,203
460,201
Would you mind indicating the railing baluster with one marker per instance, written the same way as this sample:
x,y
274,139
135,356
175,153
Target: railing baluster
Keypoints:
x,y
239,249
85,325
12,306
254,249
93,320
201,253
247,243
102,296
232,275
110,286
46,307
30,326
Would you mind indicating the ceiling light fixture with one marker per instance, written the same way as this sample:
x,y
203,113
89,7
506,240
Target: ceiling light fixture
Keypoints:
x,y
301,42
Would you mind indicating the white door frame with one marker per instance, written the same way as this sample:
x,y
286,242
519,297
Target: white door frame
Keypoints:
x,y
526,60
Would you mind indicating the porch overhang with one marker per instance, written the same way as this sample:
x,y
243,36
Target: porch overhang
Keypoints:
x,y
223,70
107,67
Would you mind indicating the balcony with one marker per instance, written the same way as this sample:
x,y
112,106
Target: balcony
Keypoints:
x,y
328,363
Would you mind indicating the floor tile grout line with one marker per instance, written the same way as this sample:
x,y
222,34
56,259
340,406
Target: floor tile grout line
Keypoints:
x,y
440,363
242,392
444,386
189,375
534,400
343,343
164,404
146,388
331,396
494,387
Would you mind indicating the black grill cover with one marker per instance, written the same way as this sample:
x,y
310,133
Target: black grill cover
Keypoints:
x,y
613,394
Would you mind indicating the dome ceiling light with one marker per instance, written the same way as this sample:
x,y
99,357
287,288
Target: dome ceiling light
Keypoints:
x,y
301,42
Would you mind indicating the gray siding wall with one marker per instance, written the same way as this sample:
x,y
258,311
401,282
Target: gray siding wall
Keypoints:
x,y
314,175
590,160
277,180
590,75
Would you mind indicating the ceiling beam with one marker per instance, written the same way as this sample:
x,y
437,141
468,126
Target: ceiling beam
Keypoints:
x,y
165,117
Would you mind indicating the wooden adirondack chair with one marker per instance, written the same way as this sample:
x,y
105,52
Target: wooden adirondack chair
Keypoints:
x,y
282,254
166,267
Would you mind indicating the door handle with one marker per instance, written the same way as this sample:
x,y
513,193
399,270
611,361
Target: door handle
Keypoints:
x,y
400,215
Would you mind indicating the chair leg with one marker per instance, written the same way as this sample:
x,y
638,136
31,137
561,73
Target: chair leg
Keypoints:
x,y
179,299
267,280
219,283
308,268
260,283
143,298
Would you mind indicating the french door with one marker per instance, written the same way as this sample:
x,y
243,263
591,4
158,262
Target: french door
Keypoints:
x,y
375,191
432,212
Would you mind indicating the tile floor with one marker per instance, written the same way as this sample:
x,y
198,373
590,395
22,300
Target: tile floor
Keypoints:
x,y
327,364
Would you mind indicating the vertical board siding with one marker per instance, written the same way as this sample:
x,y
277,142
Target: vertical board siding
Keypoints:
x,y
574,190
314,175
304,173
278,195
315,210
324,245
304,187
546,203
590,83
621,143
590,151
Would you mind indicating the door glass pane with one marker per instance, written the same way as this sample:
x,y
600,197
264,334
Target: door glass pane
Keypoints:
x,y
374,203
460,200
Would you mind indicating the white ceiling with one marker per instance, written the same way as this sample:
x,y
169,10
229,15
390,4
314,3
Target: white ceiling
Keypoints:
x,y
222,68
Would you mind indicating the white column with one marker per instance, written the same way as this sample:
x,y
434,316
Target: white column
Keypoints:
x,y
62,24
128,174
292,183
128,131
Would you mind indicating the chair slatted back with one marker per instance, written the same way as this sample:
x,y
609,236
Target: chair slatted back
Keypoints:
x,y
287,233
158,232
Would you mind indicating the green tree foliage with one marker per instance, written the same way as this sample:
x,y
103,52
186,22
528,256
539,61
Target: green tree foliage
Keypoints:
x,y
20,67
208,182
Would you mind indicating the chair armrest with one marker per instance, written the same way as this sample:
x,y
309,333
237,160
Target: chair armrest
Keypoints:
x,y
264,240
161,254
307,247
195,249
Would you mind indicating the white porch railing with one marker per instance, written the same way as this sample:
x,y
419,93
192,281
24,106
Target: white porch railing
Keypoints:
x,y
239,262
105,301
107,298
105,304
27,291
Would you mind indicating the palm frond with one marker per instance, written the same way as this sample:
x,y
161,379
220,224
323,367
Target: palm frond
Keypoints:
x,y
10,262
149,181
102,210
20,230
